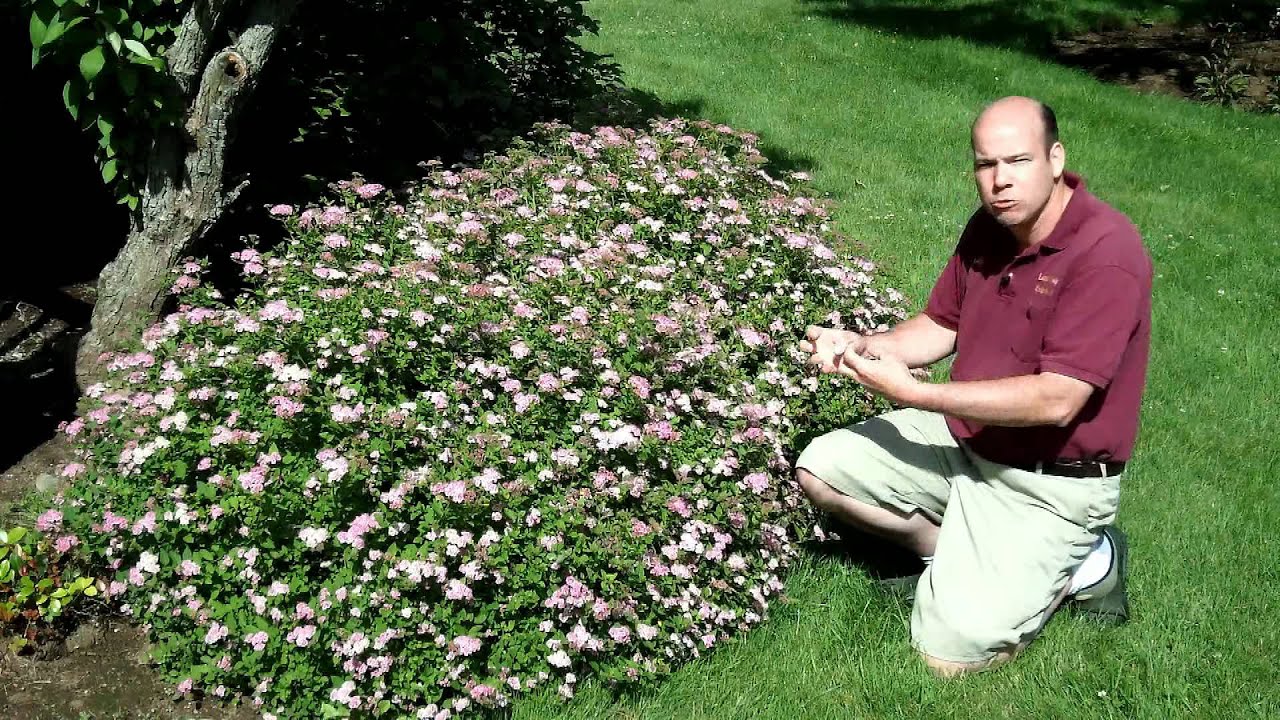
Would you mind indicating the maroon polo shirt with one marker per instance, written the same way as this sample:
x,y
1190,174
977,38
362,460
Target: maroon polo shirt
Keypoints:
x,y
1077,304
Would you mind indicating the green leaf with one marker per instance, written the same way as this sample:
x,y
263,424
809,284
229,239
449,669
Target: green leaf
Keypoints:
x,y
91,590
38,28
91,63
15,535
137,48
113,38
109,170
71,98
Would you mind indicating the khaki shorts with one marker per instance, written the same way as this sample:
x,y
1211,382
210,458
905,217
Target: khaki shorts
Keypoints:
x,y
1009,542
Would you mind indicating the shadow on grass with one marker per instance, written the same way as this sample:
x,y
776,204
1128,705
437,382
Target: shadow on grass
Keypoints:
x,y
1027,26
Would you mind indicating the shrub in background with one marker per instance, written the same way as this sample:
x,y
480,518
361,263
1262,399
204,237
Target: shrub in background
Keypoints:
x,y
531,425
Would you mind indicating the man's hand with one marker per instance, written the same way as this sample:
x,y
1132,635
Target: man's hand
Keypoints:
x,y
828,346
887,377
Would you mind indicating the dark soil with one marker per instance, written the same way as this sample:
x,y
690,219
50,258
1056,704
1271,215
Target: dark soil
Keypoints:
x,y
1168,58
104,678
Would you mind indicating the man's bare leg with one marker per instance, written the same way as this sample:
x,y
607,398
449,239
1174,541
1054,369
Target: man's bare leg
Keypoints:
x,y
914,531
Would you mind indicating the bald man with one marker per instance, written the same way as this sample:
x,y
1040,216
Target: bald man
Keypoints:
x,y
1006,479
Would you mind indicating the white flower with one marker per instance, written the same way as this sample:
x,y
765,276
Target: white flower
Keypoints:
x,y
313,537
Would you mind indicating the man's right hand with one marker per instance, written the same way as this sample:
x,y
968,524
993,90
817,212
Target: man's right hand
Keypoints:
x,y
827,346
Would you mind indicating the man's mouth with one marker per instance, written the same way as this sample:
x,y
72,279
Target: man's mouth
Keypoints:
x,y
1003,204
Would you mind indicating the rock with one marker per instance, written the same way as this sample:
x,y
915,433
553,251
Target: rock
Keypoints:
x,y
46,483
87,635
143,656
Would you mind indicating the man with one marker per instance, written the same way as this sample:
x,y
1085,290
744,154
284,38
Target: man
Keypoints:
x,y
1004,480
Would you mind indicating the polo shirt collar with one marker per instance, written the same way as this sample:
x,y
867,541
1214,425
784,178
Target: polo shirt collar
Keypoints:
x,y
1073,215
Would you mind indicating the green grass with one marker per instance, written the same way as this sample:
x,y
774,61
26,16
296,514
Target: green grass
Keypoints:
x,y
881,118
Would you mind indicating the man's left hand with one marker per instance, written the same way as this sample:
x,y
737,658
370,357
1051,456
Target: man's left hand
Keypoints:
x,y
887,376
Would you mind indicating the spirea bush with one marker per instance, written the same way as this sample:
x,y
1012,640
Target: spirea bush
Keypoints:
x,y
533,425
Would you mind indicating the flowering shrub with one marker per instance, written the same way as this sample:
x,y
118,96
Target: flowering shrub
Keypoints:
x,y
534,425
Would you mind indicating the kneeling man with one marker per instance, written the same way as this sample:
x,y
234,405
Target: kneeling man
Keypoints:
x,y
1006,479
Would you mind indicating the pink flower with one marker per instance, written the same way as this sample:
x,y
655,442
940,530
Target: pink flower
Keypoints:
x,y
188,569
619,634
640,386
466,645
217,632
185,686
756,482
49,521
483,694
679,506
752,338
301,635
455,490
147,523
369,190
281,210
458,590
65,543
354,535
257,640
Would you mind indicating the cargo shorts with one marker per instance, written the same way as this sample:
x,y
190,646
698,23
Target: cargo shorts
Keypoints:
x,y
1009,542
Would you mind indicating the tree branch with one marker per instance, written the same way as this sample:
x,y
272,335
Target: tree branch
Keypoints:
x,y
195,35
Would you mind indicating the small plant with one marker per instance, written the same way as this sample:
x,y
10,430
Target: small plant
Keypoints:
x,y
1221,82
36,586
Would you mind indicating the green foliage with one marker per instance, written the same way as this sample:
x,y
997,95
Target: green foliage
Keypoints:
x,y
379,86
36,587
346,77
116,86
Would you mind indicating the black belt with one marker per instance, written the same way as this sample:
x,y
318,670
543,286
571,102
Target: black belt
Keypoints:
x,y
1074,468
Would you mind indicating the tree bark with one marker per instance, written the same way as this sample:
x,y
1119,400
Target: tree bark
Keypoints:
x,y
185,191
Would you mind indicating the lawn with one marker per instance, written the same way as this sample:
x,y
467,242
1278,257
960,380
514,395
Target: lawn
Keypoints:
x,y
875,99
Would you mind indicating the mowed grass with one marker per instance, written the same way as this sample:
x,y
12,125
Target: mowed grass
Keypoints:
x,y
875,99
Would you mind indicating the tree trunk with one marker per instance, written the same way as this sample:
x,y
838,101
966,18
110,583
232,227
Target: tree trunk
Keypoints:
x,y
185,191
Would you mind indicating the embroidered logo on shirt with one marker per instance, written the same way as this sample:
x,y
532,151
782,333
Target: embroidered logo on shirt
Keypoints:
x,y
1046,284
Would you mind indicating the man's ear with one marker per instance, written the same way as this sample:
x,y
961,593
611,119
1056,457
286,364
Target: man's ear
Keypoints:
x,y
1058,159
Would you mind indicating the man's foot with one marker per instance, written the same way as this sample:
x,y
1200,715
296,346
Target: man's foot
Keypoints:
x,y
1107,599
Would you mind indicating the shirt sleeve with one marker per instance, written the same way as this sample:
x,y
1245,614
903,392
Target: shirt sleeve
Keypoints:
x,y
947,295
1096,315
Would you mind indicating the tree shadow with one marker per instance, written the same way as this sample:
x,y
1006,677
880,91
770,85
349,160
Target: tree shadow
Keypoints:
x,y
878,557
1028,27
73,227
631,107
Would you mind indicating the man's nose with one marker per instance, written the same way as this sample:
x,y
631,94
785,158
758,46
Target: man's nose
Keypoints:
x,y
1002,178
